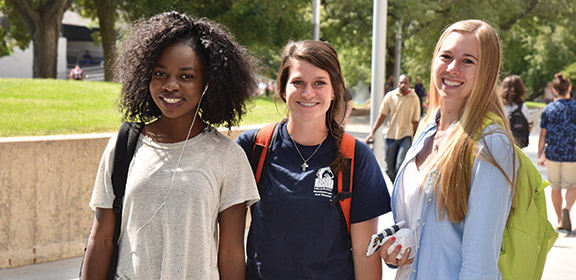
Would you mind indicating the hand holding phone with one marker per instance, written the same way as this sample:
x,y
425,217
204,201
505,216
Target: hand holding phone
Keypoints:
x,y
379,238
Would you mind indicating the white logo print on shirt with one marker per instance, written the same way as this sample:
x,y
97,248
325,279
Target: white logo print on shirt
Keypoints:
x,y
324,183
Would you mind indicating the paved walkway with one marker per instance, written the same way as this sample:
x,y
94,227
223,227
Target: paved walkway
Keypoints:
x,y
560,265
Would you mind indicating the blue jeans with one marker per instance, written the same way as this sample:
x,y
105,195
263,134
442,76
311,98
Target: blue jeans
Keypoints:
x,y
395,153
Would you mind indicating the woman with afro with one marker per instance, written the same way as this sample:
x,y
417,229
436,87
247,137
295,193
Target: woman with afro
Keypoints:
x,y
188,185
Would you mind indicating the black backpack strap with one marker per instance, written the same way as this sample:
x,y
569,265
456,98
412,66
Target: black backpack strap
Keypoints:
x,y
125,147
519,109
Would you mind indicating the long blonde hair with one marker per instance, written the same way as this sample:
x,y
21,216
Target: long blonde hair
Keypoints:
x,y
452,186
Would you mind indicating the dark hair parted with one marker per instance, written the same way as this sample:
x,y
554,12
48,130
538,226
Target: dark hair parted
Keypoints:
x,y
513,89
561,84
323,56
229,68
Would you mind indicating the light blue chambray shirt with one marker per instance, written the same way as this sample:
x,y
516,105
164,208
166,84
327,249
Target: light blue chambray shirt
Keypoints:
x,y
469,249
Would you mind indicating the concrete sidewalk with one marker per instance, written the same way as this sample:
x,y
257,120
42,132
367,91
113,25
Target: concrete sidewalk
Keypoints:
x,y
560,265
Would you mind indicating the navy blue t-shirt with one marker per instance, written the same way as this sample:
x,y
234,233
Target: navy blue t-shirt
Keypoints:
x,y
294,233
559,120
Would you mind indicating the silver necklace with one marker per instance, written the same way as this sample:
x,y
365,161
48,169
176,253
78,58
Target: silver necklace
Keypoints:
x,y
305,165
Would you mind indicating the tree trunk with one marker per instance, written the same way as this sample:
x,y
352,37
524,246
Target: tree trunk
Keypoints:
x,y
107,17
43,22
45,45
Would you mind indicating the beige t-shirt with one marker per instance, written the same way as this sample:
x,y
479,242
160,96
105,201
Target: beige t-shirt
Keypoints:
x,y
407,109
171,232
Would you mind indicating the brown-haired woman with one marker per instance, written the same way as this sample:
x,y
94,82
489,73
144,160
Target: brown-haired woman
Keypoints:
x,y
295,234
513,93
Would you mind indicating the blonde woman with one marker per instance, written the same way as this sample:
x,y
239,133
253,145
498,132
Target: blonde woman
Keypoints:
x,y
454,187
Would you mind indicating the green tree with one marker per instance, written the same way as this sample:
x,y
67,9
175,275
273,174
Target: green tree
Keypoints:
x,y
537,35
263,26
266,26
106,11
13,32
109,12
43,20
541,44
347,25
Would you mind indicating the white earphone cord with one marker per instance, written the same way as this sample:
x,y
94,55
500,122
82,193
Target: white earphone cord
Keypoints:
x,y
169,186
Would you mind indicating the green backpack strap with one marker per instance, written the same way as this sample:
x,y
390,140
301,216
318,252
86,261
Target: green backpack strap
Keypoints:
x,y
528,235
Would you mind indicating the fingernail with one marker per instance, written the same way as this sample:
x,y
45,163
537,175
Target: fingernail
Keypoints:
x,y
393,238
399,246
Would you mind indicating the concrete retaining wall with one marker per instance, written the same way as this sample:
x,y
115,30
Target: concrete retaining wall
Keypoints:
x,y
45,186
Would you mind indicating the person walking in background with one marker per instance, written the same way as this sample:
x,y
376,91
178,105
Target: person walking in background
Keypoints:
x,y
349,106
389,84
402,106
77,73
548,93
454,189
513,92
188,185
86,58
557,149
421,92
295,233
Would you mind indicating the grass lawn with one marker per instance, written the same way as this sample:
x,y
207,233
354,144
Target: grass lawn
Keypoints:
x,y
34,107
533,104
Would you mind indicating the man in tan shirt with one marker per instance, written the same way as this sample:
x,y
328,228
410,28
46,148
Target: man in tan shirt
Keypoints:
x,y
403,107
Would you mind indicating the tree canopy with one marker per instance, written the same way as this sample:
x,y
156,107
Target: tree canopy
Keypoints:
x,y
39,21
537,35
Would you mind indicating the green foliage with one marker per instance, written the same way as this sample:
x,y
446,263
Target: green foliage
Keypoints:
x,y
540,45
35,107
4,49
570,72
537,35
266,26
263,26
347,25
13,31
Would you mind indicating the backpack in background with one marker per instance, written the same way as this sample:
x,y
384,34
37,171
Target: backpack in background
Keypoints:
x,y
519,126
528,235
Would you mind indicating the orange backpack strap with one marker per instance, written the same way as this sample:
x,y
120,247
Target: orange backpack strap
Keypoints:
x,y
262,140
345,179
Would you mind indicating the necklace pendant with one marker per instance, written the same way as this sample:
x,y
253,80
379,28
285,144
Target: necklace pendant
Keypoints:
x,y
304,166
